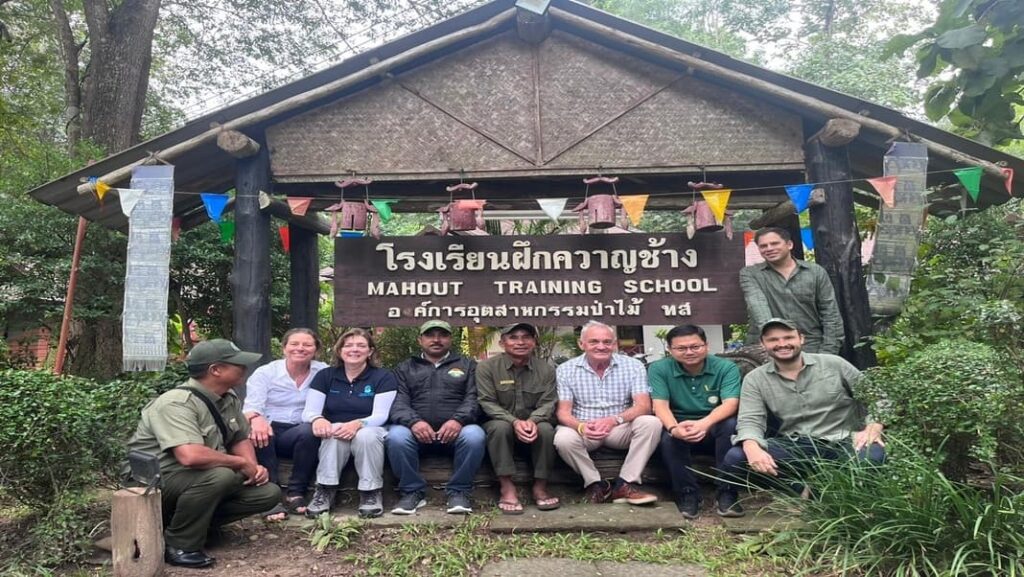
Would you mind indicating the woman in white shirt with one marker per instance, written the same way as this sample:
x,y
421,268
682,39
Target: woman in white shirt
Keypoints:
x,y
274,401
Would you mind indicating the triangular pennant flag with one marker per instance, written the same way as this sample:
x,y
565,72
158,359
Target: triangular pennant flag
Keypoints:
x,y
800,194
634,206
717,201
299,204
263,199
129,198
470,204
286,238
553,207
885,187
102,189
175,228
1008,174
971,179
214,204
383,209
227,231
807,236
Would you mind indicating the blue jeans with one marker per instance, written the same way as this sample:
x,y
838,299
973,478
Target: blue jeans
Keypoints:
x,y
404,455
676,454
293,441
793,455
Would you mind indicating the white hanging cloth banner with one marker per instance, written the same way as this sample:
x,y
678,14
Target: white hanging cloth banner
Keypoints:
x,y
129,198
553,207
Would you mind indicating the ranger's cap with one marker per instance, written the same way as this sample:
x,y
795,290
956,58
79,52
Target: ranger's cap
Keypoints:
x,y
525,326
778,322
220,351
435,324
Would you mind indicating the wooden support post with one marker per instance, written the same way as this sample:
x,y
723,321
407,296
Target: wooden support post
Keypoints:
x,y
791,223
69,299
237,144
250,278
305,277
837,247
137,535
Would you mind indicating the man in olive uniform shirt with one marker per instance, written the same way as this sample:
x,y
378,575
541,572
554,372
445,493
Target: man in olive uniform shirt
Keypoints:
x,y
207,480
695,395
517,392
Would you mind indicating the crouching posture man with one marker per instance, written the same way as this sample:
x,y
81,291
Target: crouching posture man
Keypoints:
x,y
207,462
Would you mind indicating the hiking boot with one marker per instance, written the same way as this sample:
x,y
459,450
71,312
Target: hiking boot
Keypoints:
x,y
409,503
371,504
630,493
598,492
323,500
459,504
689,504
728,506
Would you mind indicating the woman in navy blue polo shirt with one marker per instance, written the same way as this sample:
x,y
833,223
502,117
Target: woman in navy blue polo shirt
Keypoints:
x,y
348,404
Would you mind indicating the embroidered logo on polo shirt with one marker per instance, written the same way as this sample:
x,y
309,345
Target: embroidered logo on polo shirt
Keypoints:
x,y
367,391
456,373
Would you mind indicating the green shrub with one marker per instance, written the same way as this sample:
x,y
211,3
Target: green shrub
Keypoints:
x,y
904,518
953,396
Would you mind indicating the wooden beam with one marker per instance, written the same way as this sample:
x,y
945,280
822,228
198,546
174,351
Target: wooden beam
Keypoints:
x,y
310,221
765,87
532,27
838,132
237,144
837,247
782,210
250,277
305,279
371,72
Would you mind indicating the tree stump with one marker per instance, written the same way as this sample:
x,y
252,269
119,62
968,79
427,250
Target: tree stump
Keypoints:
x,y
136,522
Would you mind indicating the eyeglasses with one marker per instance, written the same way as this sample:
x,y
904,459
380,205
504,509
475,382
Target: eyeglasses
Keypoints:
x,y
690,349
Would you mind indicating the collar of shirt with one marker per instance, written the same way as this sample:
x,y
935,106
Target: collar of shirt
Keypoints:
x,y
768,266
680,371
281,372
808,360
209,394
509,363
438,363
581,362
342,376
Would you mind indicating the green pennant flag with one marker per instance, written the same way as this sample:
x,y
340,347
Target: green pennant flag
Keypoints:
x,y
227,231
383,209
971,179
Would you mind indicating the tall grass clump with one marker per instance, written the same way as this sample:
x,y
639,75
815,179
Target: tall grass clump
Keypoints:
x,y
903,519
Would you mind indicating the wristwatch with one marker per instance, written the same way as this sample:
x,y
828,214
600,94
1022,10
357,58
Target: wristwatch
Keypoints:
x,y
619,420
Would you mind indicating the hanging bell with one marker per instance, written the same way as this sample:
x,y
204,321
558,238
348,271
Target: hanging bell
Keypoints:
x,y
700,218
466,215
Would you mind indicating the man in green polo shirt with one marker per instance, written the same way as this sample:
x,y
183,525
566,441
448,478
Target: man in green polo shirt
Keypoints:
x,y
517,392
209,478
695,395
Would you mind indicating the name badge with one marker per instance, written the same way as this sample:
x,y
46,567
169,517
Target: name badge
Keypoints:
x,y
712,400
507,382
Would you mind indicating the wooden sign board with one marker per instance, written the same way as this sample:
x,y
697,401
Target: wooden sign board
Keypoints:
x,y
555,280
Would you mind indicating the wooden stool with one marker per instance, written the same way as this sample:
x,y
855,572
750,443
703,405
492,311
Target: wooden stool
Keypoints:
x,y
136,524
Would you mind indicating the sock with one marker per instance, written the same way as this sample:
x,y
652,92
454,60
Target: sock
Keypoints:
x,y
619,481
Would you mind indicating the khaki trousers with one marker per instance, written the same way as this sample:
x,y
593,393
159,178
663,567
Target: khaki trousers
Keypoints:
x,y
639,438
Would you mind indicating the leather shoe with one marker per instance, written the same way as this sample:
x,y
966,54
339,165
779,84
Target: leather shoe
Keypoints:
x,y
183,558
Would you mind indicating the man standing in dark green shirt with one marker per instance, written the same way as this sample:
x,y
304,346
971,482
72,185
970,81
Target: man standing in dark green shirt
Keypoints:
x,y
784,287
695,395
516,390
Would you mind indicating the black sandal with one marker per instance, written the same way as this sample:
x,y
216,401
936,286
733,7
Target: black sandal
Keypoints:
x,y
278,509
293,504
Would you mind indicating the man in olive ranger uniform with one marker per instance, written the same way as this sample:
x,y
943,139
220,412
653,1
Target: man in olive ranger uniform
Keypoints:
x,y
208,466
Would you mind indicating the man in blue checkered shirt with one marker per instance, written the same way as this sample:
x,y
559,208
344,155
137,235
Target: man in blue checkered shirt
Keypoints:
x,y
604,400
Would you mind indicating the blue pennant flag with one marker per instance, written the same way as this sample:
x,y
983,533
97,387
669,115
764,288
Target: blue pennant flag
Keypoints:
x,y
807,236
800,194
214,204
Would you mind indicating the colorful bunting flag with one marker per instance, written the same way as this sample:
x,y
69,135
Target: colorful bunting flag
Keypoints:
x,y
383,208
971,179
634,207
299,204
175,228
553,207
807,236
750,253
717,201
263,199
800,194
214,204
885,186
102,189
227,232
470,204
351,234
129,198
286,238
1008,174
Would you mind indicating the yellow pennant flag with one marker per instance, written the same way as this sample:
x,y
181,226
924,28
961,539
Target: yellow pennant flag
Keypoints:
x,y
634,207
102,189
717,201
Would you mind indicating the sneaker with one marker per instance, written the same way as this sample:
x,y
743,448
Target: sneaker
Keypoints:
x,y
630,493
323,500
689,504
598,492
409,503
458,504
728,506
371,504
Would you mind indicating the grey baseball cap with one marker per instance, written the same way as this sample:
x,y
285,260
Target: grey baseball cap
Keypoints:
x,y
525,326
778,322
220,351
435,324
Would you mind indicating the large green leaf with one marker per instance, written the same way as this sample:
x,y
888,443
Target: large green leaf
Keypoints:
x,y
938,99
962,37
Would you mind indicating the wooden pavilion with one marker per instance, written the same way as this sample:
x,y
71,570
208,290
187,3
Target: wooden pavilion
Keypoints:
x,y
526,98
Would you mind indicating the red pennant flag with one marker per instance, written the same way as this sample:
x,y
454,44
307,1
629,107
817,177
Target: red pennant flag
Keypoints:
x,y
175,228
286,239
1008,173
299,204
885,185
